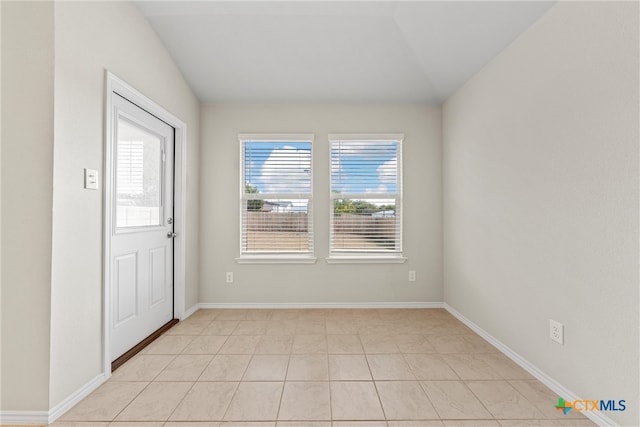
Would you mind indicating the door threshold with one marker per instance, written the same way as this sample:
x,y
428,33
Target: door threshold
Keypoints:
x,y
142,344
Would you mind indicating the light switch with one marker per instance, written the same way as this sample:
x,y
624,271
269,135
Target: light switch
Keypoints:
x,y
90,179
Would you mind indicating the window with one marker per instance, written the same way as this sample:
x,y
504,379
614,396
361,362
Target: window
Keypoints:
x,y
276,202
366,197
138,176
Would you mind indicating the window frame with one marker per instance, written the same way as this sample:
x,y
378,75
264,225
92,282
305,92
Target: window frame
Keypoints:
x,y
275,257
368,257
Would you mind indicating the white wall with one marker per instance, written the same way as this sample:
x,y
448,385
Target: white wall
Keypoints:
x,y
27,168
320,283
89,38
541,198
0,204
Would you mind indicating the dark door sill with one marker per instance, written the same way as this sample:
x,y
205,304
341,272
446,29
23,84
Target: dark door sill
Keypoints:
x,y
142,344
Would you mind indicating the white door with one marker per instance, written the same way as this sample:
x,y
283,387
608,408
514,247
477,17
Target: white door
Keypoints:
x,y
142,233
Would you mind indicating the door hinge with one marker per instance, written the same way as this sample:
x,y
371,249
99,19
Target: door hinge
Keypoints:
x,y
164,158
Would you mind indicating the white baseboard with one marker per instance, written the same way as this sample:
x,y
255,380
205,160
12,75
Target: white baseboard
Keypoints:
x,y
595,416
44,417
62,407
188,312
24,417
295,305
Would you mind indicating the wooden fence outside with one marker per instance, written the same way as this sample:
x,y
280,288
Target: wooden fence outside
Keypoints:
x,y
296,222
291,222
364,225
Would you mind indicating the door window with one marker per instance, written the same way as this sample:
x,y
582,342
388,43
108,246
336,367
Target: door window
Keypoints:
x,y
139,180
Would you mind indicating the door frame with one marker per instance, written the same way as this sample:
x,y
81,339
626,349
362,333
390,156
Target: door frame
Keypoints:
x,y
115,86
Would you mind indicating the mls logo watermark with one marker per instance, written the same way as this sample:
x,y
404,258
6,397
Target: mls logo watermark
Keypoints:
x,y
590,405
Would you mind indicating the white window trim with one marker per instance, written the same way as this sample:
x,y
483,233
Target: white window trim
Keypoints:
x,y
278,137
369,258
366,137
283,258
276,259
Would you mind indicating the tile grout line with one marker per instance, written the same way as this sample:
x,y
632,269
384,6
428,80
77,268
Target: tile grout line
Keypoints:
x,y
205,368
145,387
423,389
375,386
129,404
328,374
464,383
284,380
396,324
193,384
235,391
428,397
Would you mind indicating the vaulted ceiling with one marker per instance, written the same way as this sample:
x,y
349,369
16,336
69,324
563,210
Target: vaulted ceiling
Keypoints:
x,y
339,51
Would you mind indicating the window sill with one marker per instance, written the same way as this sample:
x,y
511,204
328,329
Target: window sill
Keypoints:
x,y
366,259
266,259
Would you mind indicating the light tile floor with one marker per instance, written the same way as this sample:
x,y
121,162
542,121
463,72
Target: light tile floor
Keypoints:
x,y
320,368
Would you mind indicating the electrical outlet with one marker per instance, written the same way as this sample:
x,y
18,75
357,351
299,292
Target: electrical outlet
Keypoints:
x,y
229,277
412,275
556,331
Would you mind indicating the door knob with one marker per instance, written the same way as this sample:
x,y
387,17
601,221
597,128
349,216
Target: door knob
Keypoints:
x,y
171,235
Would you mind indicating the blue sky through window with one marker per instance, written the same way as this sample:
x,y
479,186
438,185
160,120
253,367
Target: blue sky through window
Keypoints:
x,y
364,167
278,167
357,167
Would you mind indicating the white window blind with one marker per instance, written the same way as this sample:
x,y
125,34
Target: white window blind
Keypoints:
x,y
130,167
276,200
366,195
